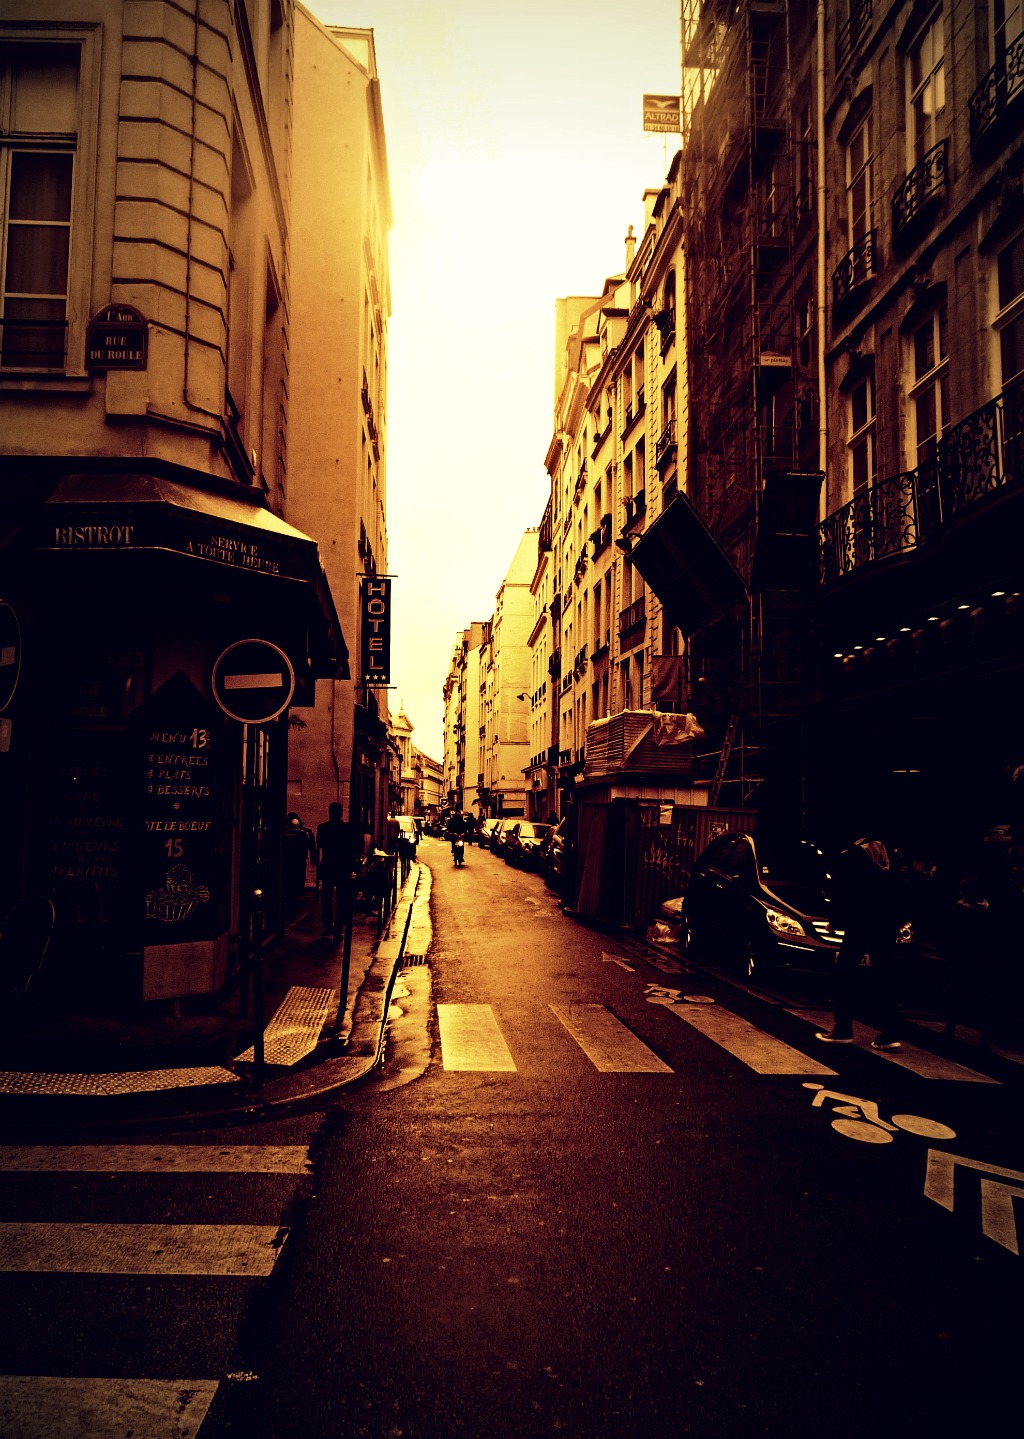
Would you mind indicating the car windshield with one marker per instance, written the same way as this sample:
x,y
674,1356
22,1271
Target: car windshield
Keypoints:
x,y
533,831
795,870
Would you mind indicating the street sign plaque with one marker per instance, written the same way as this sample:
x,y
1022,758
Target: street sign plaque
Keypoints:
x,y
253,681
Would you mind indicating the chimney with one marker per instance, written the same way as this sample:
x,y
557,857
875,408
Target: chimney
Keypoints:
x,y
630,247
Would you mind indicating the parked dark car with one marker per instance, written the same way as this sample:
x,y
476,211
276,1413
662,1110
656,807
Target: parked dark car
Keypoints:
x,y
758,905
499,834
525,844
554,854
484,831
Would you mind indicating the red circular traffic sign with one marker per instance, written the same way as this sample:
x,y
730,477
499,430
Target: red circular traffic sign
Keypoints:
x,y
253,681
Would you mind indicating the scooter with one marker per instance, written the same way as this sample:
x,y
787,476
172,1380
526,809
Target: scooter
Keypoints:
x,y
459,851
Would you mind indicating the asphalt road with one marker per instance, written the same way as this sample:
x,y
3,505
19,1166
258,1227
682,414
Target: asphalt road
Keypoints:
x,y
625,1225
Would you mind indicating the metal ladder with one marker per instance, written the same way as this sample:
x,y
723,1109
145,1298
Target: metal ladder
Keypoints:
x,y
723,759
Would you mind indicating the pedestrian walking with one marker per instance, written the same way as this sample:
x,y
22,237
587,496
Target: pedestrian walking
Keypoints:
x,y
339,847
298,848
866,900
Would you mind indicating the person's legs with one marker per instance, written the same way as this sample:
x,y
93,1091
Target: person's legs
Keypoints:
x,y
847,965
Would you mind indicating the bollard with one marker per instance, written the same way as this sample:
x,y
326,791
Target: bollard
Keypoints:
x,y
256,948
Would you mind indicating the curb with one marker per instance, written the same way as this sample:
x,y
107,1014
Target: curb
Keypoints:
x,y
322,1072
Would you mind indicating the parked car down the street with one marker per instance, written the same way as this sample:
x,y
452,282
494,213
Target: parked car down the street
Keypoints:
x,y
525,844
554,854
756,904
484,831
499,834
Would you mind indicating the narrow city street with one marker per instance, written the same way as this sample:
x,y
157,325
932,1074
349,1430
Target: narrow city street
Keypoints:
x,y
571,1202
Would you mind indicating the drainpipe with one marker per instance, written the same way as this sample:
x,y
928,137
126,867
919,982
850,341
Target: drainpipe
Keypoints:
x,y
820,201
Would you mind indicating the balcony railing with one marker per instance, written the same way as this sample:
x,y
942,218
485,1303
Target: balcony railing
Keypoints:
x,y
579,664
544,537
555,664
855,268
633,615
981,454
926,183
602,536
666,443
849,35
1001,88
581,567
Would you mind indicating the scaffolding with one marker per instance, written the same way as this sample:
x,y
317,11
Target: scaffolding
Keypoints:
x,y
750,387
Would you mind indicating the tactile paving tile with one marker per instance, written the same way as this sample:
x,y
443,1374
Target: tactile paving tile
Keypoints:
x,y
295,1028
141,1081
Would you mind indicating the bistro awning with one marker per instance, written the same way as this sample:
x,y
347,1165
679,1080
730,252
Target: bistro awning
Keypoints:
x,y
143,514
686,567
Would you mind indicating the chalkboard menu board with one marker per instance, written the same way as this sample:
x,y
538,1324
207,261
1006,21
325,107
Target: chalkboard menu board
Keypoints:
x,y
185,822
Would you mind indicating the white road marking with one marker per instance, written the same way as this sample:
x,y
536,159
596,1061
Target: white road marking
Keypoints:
x,y
156,1159
50,1407
908,1056
471,1039
759,1051
236,1250
998,1217
607,1043
616,959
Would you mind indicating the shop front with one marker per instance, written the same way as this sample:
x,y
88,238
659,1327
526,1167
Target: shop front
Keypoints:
x,y
166,629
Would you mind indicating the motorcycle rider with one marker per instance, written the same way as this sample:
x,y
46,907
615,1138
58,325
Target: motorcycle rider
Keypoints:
x,y
458,826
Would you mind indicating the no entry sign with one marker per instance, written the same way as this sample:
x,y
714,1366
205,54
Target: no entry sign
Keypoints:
x,y
10,653
253,681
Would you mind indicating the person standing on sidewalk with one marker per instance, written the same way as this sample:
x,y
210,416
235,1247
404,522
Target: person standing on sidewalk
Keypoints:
x,y
338,847
866,897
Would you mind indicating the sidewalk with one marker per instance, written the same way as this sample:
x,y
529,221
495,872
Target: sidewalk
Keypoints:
x,y
76,1069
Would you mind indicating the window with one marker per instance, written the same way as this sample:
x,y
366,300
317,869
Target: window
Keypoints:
x,y
862,434
859,160
1007,26
929,393
1010,316
38,128
927,89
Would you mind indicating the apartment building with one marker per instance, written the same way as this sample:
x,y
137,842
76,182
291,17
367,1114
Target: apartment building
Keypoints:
x,y
166,620
919,608
337,434
487,702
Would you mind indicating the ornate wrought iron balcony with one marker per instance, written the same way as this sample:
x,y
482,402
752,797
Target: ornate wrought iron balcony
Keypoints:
x,y
1001,89
926,183
855,268
978,456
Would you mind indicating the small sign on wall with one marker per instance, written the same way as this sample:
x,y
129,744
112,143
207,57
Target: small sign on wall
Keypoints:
x,y
116,338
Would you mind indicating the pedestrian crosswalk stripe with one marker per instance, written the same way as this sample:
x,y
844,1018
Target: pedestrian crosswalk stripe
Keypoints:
x,y
230,1250
908,1056
608,1044
761,1052
51,1407
156,1158
471,1039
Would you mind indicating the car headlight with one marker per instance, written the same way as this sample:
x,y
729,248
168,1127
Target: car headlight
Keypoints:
x,y
784,923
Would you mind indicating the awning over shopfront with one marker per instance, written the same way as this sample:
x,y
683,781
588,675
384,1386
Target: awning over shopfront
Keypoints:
x,y
686,568
149,514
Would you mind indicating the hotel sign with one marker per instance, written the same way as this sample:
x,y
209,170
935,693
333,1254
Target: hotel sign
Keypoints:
x,y
375,610
661,114
116,338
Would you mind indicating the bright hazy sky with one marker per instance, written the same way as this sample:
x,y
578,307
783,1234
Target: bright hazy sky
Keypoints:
x,y
517,161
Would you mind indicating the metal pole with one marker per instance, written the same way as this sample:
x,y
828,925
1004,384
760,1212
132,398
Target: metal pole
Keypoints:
x,y
257,984
346,958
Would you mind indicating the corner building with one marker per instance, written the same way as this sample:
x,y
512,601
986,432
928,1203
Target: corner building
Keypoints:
x,y
144,400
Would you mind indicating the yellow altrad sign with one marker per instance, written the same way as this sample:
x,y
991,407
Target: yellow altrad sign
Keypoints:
x,y
661,114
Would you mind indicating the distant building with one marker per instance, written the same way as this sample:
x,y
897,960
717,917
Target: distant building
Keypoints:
x,y
487,700
337,435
